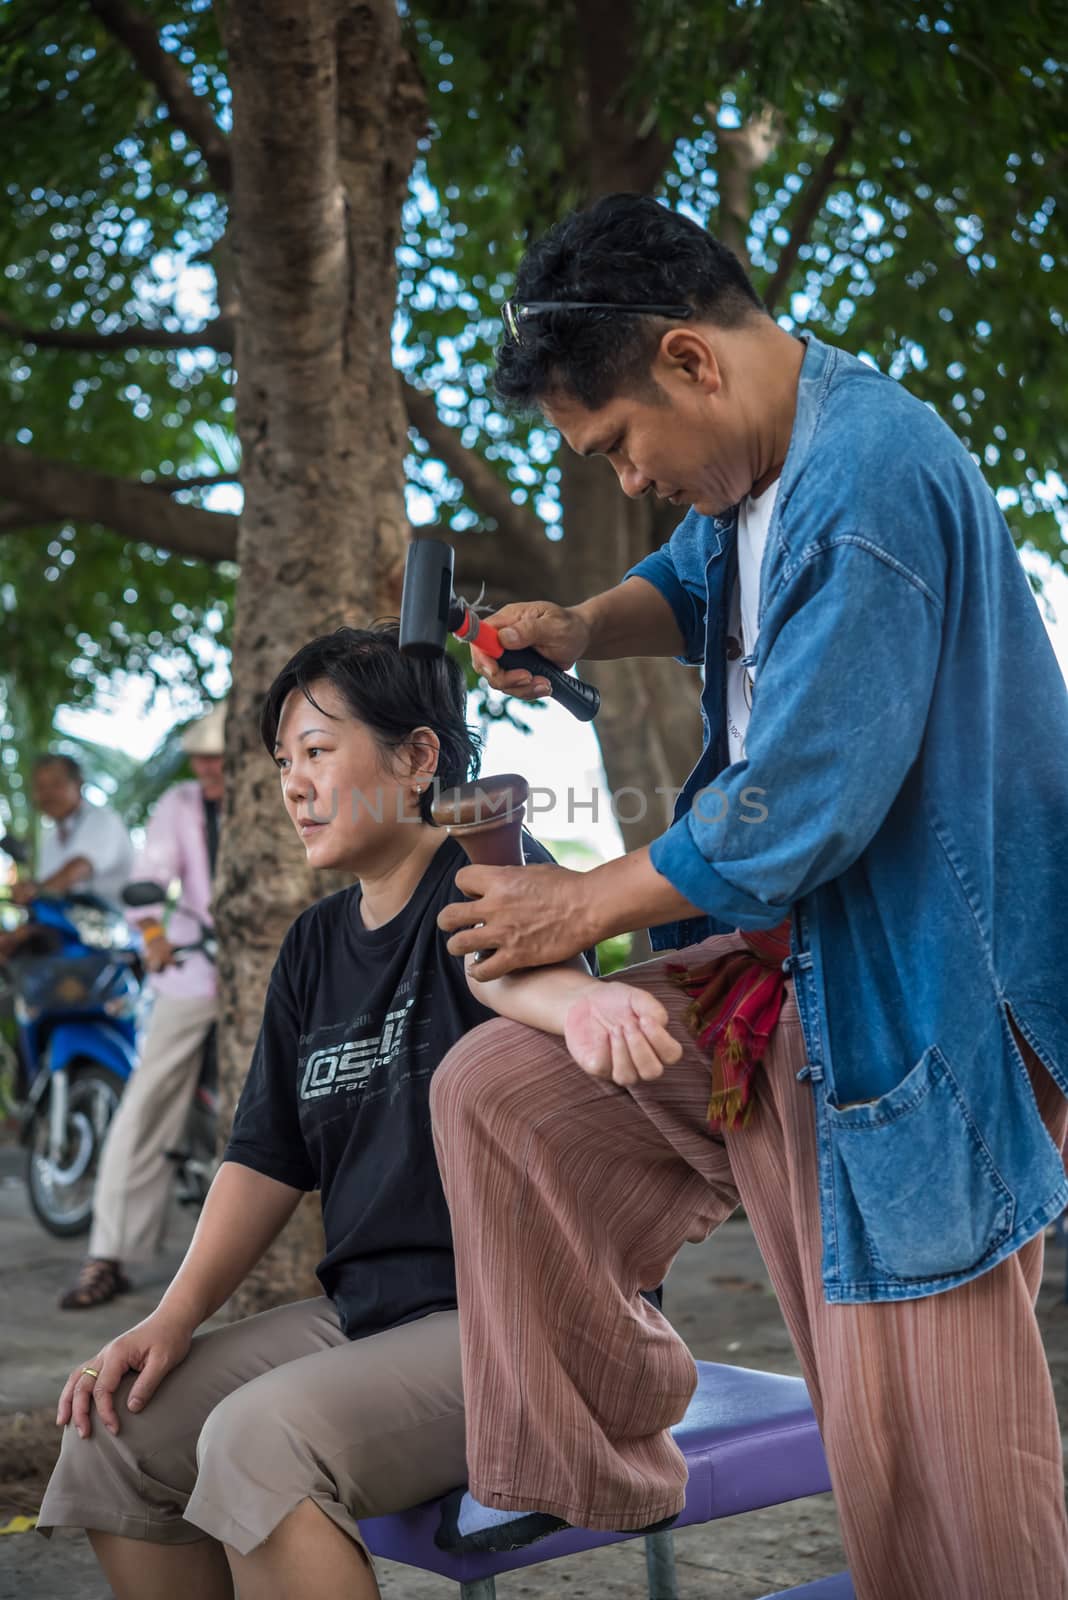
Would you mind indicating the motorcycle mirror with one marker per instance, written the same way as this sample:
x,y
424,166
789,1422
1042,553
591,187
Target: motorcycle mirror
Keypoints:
x,y
144,892
17,849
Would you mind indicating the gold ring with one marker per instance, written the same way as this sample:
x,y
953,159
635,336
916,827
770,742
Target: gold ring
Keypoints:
x,y
90,1372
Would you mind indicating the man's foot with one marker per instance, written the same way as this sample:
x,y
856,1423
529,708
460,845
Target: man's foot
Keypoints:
x,y
98,1282
467,1526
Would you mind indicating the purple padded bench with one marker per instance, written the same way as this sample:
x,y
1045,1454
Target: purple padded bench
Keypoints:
x,y
750,1440
837,1588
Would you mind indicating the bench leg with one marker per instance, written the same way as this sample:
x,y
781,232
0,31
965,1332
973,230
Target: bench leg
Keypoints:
x,y
660,1566
479,1589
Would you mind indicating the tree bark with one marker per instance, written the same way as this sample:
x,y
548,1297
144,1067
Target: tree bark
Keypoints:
x,y
327,109
43,490
649,726
742,151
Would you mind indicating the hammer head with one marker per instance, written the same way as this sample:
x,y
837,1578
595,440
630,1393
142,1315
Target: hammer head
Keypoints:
x,y
429,611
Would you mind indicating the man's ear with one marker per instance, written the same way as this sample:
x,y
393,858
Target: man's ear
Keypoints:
x,y
686,355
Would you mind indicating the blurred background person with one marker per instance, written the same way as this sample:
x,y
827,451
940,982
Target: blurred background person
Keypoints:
x,y
134,1185
85,847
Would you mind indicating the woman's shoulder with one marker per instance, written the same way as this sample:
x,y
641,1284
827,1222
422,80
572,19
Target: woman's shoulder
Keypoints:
x,y
316,923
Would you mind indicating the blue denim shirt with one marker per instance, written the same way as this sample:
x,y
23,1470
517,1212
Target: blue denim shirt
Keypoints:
x,y
905,795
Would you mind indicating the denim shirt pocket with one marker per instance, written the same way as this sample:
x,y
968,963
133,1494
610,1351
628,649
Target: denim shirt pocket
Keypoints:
x,y
926,1191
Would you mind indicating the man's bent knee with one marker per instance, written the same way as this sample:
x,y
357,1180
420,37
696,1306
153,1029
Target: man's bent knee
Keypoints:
x,y
477,1067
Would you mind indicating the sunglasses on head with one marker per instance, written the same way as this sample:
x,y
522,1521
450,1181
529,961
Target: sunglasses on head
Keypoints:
x,y
515,312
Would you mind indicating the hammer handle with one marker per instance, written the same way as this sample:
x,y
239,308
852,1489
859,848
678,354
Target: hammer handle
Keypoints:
x,y
574,694
580,698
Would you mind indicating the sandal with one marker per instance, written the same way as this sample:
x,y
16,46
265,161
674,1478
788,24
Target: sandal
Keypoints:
x,y
98,1282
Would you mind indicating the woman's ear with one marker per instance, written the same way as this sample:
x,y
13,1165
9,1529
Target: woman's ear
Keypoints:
x,y
421,755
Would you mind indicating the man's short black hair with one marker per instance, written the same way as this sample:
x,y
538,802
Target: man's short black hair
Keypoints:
x,y
389,693
52,758
626,248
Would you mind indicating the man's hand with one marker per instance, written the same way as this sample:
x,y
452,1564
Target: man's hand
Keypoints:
x,y
159,953
618,1031
10,940
528,916
22,893
559,632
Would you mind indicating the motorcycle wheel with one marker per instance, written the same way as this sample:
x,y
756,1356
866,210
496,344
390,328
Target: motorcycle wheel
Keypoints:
x,y
61,1195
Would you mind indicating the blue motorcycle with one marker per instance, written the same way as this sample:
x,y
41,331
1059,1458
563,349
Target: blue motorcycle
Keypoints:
x,y
76,984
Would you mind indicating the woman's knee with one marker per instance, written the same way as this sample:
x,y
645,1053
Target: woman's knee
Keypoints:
x,y
243,1433
98,1458
106,1471
233,1430
250,1453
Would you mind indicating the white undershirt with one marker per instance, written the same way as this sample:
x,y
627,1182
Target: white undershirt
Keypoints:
x,y
754,517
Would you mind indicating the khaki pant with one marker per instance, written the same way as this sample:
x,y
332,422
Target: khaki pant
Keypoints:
x,y
134,1183
264,1414
568,1195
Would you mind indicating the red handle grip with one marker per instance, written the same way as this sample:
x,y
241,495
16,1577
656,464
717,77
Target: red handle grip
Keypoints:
x,y
483,637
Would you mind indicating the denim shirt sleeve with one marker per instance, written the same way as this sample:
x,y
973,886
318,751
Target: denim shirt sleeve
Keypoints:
x,y
659,570
845,671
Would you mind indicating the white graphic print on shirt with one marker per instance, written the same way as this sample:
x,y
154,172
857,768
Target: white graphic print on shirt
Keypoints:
x,y
349,1064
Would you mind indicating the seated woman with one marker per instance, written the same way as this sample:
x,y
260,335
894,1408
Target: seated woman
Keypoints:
x,y
247,1454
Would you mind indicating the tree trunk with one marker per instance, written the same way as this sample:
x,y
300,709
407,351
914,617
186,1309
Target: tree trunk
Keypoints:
x,y
649,725
327,107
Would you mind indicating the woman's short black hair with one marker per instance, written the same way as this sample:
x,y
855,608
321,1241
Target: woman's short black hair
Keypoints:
x,y
623,249
391,694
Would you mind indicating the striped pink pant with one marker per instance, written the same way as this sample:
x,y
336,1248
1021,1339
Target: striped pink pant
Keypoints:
x,y
568,1195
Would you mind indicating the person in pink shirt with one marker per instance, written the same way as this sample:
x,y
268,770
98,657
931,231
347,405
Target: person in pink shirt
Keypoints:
x,y
134,1183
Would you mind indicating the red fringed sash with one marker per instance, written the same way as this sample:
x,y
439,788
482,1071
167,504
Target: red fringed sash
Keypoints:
x,y
736,1004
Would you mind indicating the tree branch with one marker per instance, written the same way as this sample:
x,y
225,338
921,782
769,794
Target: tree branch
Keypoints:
x,y
200,480
508,573
520,526
518,553
810,202
54,491
13,516
742,152
215,335
188,111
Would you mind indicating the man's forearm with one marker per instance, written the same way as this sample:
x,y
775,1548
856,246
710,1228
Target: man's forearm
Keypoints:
x,y
12,939
633,619
629,893
80,870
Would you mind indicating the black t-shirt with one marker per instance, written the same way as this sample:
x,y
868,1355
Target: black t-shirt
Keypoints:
x,y
337,1096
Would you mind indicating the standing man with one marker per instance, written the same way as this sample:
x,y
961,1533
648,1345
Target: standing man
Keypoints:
x,y
86,848
134,1183
866,883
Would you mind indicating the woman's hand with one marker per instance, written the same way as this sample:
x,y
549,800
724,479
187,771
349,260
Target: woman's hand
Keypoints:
x,y
620,1032
153,1348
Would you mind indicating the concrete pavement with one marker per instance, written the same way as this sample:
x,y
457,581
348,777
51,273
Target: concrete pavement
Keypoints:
x,y
718,1297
